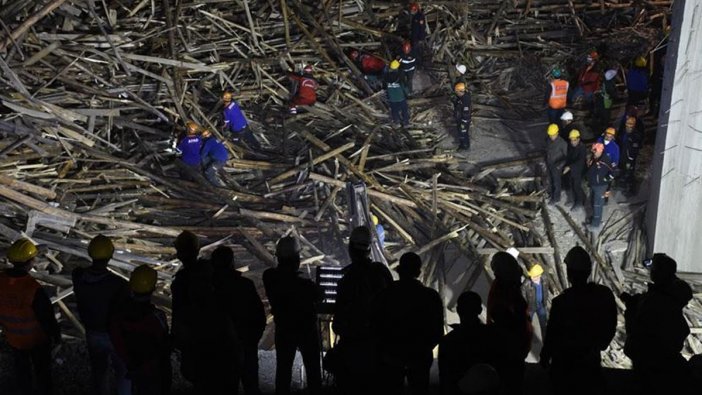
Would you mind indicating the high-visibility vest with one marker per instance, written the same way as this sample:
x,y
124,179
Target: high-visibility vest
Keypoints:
x,y
559,94
19,323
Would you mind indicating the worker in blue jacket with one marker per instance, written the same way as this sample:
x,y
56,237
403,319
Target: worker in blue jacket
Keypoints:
x,y
235,123
214,156
637,82
189,149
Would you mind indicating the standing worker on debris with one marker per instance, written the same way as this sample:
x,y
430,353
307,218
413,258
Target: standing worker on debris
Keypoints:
x,y
379,231
535,291
98,292
631,141
611,147
575,168
588,80
408,63
293,302
235,123
462,108
214,156
304,89
189,149
637,82
27,320
599,176
556,154
139,332
556,96
238,297
418,31
397,95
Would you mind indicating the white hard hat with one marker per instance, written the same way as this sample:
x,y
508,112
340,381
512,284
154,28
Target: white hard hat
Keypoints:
x,y
610,74
461,68
513,251
567,116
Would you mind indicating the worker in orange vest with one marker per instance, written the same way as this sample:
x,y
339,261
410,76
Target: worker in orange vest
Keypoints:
x,y
27,320
556,96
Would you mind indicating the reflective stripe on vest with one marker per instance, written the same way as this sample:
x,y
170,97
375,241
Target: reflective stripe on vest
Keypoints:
x,y
559,94
17,318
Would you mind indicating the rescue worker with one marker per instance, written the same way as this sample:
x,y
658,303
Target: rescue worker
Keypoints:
x,y
408,63
362,281
575,168
304,91
566,125
583,322
608,93
588,80
98,293
397,95
409,321
556,96
371,66
631,142
235,123
27,320
637,82
214,156
238,297
462,108
139,332
556,154
611,150
379,231
467,345
599,175
189,149
535,291
418,31
293,302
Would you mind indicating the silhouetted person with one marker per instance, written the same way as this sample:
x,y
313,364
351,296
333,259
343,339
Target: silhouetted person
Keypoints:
x,y
582,324
98,291
481,379
409,322
465,346
362,281
657,329
139,332
293,302
508,322
238,297
205,335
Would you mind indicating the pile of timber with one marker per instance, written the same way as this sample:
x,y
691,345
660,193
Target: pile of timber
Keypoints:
x,y
93,92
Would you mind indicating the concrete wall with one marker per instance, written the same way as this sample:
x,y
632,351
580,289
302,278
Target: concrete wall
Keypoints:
x,y
674,219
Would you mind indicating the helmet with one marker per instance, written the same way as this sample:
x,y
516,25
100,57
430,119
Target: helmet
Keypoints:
x,y
187,240
414,7
374,219
143,280
567,116
535,271
640,61
406,47
287,247
394,65
461,68
227,96
611,131
578,259
630,122
101,248
192,127
610,74
552,130
598,148
307,69
22,251
353,54
556,73
459,87
593,55
574,134
360,238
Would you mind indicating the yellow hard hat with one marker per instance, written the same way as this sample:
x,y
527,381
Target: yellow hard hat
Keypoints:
x,y
394,65
22,251
192,127
374,219
574,134
227,96
101,248
143,280
552,129
459,87
611,131
640,61
535,271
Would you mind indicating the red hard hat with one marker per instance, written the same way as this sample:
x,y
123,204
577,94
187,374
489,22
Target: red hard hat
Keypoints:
x,y
307,69
353,54
406,47
414,7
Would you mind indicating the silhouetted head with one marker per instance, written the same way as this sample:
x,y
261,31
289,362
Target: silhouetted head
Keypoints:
x,y
288,253
663,269
410,266
480,379
222,258
100,250
506,268
469,306
579,265
187,247
360,243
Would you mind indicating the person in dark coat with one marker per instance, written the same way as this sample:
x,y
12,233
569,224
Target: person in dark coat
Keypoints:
x,y
575,168
293,302
465,346
418,30
239,298
462,114
362,281
600,174
408,64
583,322
630,141
397,94
637,81
656,330
535,291
409,321
556,154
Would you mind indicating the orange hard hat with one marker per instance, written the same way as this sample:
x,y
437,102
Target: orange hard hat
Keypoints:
x,y
406,47
414,7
